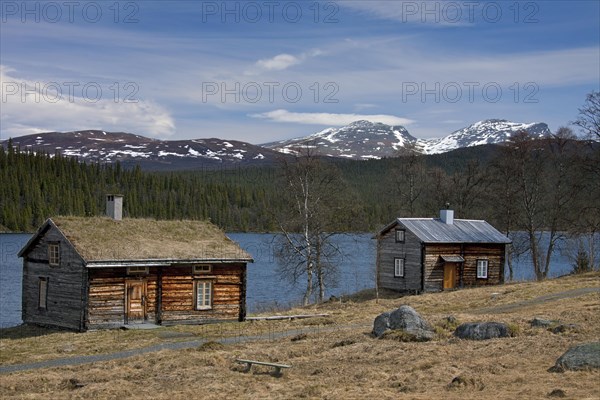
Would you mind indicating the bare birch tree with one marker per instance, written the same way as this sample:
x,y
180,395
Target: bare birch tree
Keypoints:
x,y
408,177
589,116
547,184
314,192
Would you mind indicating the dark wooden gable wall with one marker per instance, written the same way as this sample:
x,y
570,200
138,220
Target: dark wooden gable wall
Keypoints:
x,y
388,249
66,284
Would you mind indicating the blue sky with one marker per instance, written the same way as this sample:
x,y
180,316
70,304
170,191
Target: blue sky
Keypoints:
x,y
260,71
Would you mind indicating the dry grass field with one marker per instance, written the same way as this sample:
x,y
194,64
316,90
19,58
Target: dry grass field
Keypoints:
x,y
336,357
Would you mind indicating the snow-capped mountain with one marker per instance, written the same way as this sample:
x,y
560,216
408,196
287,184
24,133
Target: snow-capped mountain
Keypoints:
x,y
489,131
359,140
364,140
106,147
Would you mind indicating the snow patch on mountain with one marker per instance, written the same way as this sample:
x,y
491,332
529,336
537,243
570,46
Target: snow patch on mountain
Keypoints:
x,y
101,146
371,140
489,131
352,141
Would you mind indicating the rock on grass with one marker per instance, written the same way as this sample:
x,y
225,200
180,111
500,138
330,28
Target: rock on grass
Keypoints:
x,y
482,330
406,320
580,357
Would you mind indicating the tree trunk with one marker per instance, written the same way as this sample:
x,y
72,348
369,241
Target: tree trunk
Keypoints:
x,y
533,244
509,263
309,285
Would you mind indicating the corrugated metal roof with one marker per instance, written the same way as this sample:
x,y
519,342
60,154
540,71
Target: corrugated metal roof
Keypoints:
x,y
433,230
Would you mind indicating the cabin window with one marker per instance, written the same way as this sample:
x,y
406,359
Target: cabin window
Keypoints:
x,y
399,235
43,294
203,294
138,270
399,267
482,269
53,254
202,269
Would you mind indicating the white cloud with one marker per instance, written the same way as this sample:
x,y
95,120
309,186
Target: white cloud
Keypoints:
x,y
278,63
329,119
30,107
282,62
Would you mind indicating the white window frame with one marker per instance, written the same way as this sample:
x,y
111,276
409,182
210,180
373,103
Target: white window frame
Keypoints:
x,y
138,270
482,269
399,266
54,254
203,294
202,269
400,235
43,293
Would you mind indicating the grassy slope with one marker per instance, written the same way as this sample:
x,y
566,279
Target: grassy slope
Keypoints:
x,y
346,363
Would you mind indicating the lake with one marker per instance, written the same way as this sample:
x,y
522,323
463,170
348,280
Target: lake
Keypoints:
x,y
265,288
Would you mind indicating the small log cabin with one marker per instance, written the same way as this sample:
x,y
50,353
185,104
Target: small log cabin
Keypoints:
x,y
91,273
433,254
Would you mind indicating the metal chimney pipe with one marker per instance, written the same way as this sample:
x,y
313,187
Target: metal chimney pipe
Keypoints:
x,y
447,216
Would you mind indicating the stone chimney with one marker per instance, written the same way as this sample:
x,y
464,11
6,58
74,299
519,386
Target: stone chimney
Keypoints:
x,y
114,206
447,216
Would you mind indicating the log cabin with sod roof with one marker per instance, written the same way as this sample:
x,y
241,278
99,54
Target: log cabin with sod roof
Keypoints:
x,y
106,272
416,255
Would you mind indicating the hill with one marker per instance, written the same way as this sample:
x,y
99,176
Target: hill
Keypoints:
x,y
92,146
334,357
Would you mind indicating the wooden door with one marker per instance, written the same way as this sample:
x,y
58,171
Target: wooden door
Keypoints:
x,y
135,301
449,275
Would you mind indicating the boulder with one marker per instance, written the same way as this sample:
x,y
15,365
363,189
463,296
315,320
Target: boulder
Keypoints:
x,y
562,328
541,323
580,357
404,319
482,330
381,324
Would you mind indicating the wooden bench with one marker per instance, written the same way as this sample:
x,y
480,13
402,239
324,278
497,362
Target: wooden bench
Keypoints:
x,y
277,367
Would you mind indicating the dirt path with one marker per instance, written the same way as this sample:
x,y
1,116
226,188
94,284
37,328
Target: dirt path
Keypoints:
x,y
79,360
536,301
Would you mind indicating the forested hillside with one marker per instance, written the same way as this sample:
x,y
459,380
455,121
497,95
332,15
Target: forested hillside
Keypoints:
x,y
483,182
37,186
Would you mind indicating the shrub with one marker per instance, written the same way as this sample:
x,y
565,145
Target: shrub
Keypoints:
x,y
582,262
513,329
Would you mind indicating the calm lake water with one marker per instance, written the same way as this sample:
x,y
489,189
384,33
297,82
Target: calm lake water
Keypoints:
x,y
265,289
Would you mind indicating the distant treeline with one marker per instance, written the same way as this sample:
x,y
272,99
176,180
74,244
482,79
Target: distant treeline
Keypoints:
x,y
476,182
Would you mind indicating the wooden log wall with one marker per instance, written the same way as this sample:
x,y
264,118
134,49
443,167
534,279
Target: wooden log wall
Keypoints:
x,y
434,265
66,284
494,253
106,302
410,250
178,301
106,305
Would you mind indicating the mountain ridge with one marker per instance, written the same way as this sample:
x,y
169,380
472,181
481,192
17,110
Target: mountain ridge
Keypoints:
x,y
152,154
390,139
360,140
